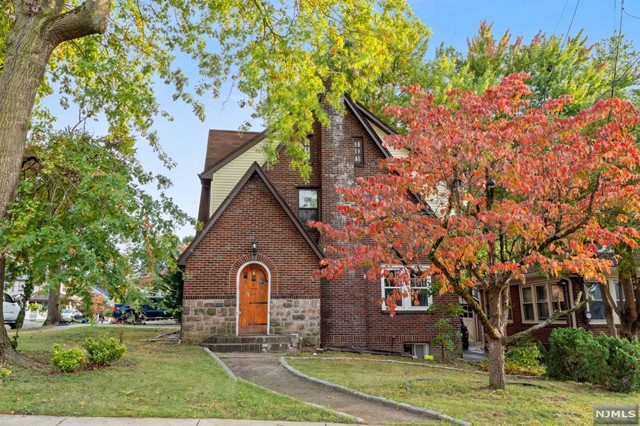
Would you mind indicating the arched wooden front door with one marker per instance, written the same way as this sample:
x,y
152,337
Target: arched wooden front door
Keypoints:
x,y
253,298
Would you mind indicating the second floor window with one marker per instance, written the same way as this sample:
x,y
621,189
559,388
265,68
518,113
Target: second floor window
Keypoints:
x,y
358,146
308,205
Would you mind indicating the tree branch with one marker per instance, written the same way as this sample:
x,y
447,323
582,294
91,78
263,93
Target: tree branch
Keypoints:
x,y
90,17
482,316
557,314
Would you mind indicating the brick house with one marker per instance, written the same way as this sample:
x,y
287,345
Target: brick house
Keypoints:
x,y
249,271
534,301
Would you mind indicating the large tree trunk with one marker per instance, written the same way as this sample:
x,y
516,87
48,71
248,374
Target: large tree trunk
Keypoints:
x,y
53,310
498,295
496,364
40,26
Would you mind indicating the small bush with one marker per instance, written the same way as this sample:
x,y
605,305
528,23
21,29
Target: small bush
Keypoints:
x,y
575,355
523,358
103,351
68,360
623,362
4,373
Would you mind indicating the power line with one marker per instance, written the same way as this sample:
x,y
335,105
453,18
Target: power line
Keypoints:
x,y
562,46
628,14
615,62
561,15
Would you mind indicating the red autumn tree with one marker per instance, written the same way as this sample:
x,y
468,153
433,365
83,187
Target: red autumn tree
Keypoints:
x,y
492,188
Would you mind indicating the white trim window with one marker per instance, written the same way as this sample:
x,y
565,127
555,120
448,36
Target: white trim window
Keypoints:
x,y
410,293
596,306
539,301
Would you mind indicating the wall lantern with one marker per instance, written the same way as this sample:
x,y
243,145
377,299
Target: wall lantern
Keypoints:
x,y
254,250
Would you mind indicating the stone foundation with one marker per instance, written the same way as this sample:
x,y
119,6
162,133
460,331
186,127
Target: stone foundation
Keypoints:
x,y
202,319
297,316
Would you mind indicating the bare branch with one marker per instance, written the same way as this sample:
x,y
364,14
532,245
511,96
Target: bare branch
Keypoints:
x,y
482,316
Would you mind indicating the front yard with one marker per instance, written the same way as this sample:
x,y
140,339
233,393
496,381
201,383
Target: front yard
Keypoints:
x,y
154,379
465,394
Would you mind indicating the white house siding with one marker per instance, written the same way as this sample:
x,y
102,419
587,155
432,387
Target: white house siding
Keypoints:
x,y
225,179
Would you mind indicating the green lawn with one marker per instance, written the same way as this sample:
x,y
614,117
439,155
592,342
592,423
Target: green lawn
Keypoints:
x,y
153,379
466,395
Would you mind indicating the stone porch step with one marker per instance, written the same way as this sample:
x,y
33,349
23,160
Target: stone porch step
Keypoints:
x,y
253,344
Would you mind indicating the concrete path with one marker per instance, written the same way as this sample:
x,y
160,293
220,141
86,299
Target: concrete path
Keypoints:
x,y
265,370
475,354
17,420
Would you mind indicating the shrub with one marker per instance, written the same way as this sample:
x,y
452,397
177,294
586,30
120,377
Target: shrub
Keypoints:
x,y
623,362
68,360
4,373
103,351
575,355
523,358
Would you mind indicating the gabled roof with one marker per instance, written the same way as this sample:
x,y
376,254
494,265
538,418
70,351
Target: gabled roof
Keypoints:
x,y
360,112
254,169
225,145
374,118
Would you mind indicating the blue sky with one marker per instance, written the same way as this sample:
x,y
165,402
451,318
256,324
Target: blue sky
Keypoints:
x,y
452,22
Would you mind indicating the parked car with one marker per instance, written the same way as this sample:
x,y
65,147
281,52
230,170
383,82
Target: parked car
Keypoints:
x,y
10,310
71,315
149,311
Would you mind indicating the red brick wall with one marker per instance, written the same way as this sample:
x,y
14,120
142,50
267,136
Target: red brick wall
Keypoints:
x,y
350,310
253,216
287,181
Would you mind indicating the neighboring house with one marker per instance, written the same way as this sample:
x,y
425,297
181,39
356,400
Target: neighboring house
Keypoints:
x,y
249,271
539,297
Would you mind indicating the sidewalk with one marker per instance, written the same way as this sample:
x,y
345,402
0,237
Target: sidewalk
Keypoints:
x,y
266,371
20,420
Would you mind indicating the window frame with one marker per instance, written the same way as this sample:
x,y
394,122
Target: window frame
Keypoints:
x,y
358,151
317,208
407,306
307,147
535,302
615,291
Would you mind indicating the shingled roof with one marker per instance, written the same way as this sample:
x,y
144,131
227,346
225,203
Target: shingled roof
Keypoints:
x,y
221,143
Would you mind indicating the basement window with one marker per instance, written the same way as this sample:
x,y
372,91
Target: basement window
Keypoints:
x,y
417,350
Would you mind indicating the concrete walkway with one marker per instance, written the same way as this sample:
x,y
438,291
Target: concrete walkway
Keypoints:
x,y
18,420
266,371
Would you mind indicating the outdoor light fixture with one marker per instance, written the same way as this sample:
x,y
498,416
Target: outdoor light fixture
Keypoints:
x,y
491,183
254,249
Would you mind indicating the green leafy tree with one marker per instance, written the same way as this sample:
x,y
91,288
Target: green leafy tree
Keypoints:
x,y
81,217
107,56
